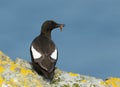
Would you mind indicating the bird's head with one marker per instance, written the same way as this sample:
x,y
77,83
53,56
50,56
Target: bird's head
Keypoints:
x,y
49,25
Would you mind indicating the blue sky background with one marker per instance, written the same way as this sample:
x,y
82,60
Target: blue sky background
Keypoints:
x,y
89,44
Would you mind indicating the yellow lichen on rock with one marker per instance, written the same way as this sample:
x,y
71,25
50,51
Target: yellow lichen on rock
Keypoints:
x,y
12,67
115,82
1,52
84,81
1,80
1,69
73,74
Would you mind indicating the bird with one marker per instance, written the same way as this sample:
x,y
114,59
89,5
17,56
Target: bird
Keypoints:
x,y
44,53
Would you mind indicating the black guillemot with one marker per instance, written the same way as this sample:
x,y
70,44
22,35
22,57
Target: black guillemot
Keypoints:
x,y
44,53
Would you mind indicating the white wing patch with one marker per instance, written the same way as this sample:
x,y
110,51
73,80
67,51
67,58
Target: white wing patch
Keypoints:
x,y
54,54
35,53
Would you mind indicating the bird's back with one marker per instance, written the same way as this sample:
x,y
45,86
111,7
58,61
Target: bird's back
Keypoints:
x,y
45,47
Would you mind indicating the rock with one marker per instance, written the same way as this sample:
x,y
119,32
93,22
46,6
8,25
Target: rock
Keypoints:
x,y
19,73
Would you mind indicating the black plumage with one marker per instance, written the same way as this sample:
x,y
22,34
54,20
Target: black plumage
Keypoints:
x,y
43,50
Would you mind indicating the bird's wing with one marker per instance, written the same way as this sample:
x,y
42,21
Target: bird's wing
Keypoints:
x,y
47,64
35,53
54,54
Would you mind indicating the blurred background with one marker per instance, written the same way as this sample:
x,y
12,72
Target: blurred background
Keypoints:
x,y
89,43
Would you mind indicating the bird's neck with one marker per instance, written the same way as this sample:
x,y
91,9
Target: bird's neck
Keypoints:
x,y
47,35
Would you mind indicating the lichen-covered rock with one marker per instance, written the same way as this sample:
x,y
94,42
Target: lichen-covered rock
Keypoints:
x,y
19,73
112,82
75,80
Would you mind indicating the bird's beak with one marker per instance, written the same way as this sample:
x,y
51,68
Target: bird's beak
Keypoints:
x,y
60,26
